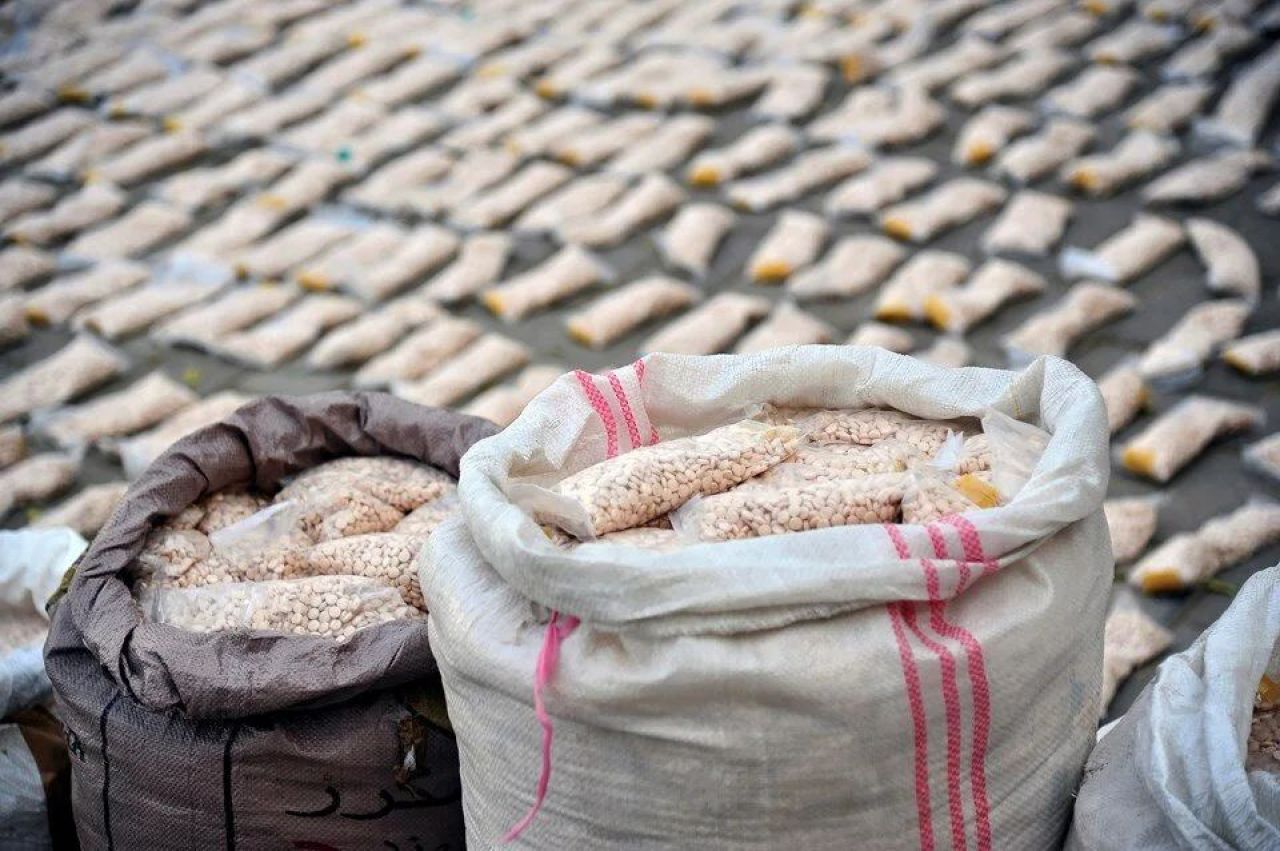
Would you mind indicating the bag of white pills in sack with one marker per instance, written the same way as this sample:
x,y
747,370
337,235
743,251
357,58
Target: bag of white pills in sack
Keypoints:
x,y
852,680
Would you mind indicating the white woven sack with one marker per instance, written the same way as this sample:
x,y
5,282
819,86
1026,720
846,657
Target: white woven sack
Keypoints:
x,y
829,689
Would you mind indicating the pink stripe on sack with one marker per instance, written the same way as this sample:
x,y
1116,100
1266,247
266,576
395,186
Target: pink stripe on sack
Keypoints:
x,y
639,368
978,684
596,398
919,730
950,689
548,659
972,543
940,550
633,431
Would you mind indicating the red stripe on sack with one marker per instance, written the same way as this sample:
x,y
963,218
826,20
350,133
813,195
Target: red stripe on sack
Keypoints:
x,y
939,542
978,684
919,730
596,398
633,430
639,368
950,686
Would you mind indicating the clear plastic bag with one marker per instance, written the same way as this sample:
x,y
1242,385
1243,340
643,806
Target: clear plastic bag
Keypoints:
x,y
81,365
1132,523
709,327
1174,439
564,274
488,359
885,182
1130,640
616,313
141,405
388,558
853,266
1191,557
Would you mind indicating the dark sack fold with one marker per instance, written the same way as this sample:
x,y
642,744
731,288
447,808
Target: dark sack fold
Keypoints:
x,y
183,739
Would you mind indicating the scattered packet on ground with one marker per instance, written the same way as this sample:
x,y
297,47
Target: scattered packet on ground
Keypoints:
x,y
887,181
86,512
794,91
70,160
808,171
1134,157
1133,41
651,199
479,264
418,353
149,157
759,510
952,352
1184,349
389,186
566,273
987,132
201,187
502,404
1257,354
1031,223
474,172
1097,89
1178,436
1086,306
592,145
38,136
709,328
349,258
372,333
995,283
133,234
141,405
1034,156
753,150
1124,394
853,266
1169,108
138,452
509,198
486,360
1126,254
1026,74
539,136
205,324
1231,264
217,241
1263,456
584,197
938,68
1131,522
304,185
1208,179
38,478
690,240
279,338
20,265
792,243
882,336
650,481
13,445
57,301
1269,202
882,120
487,129
13,319
954,203
277,254
19,195
1130,640
903,296
613,315
1191,557
1242,110
79,366
787,325
668,146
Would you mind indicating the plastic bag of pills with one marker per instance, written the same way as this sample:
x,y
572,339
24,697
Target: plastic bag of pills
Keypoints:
x,y
1125,394
1231,264
710,327
1132,523
1224,540
885,182
794,242
1256,354
1127,254
615,314
853,266
1175,438
1184,349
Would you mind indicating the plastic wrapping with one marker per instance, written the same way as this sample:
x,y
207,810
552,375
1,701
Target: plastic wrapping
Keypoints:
x,y
474,172
1086,306
880,335
1034,156
592,145
1137,155
204,325
486,129
124,314
410,81
792,243
149,157
877,118
987,132
81,365
950,205
371,334
1024,75
1175,438
1126,254
40,135
566,273
904,295
615,314
1232,266
343,262
787,325
511,197
19,195
1256,354
551,128
1243,108
807,172
994,284
668,146
1031,223
279,338
139,451
652,198
71,159
1133,41
951,352
479,263
38,478
753,150
419,352
326,606
690,240
1169,108
141,405
650,481
502,404
489,358
235,229
584,197
1125,394
1206,180
13,319
304,185
709,328
133,234
342,121
936,69
388,187
1224,540
1184,349
793,92
853,266
885,182
424,519
56,302
1132,523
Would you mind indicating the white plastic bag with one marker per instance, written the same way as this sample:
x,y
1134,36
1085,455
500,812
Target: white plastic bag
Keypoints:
x,y
797,670
1172,773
